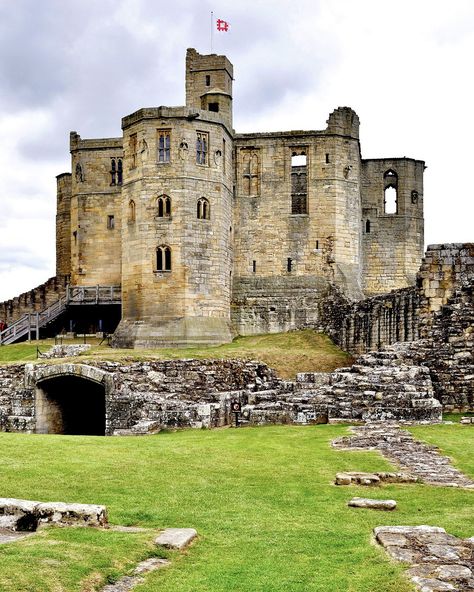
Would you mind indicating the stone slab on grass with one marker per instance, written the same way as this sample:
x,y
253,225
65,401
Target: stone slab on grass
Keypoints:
x,y
129,582
27,515
372,504
360,478
438,561
176,538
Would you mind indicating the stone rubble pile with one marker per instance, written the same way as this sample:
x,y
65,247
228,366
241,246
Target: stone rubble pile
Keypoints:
x,y
66,351
398,446
439,561
370,479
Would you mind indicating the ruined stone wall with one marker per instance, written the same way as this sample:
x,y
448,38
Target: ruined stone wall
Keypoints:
x,y
17,411
392,242
33,301
401,315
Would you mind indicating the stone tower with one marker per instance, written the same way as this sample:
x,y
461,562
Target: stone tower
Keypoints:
x,y
177,215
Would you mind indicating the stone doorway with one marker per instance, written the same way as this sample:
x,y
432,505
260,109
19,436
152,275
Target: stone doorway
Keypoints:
x,y
70,405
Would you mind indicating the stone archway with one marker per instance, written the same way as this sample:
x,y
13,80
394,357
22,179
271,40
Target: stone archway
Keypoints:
x,y
70,399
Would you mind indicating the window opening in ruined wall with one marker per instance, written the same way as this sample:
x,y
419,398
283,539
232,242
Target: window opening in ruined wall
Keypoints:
x,y
133,144
131,211
163,206
213,107
116,171
110,222
164,143
251,172
367,227
203,209
208,80
202,147
390,199
299,183
289,264
163,258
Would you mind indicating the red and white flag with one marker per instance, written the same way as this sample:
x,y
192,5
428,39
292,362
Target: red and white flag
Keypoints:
x,y
222,26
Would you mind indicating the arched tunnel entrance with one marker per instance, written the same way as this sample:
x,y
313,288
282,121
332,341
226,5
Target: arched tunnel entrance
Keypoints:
x,y
70,405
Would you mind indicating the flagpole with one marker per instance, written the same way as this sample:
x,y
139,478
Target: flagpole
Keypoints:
x,y
212,27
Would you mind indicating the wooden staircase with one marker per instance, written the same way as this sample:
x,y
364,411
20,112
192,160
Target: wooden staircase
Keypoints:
x,y
31,323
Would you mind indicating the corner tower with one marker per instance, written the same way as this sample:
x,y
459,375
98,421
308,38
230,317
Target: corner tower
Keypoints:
x,y
177,215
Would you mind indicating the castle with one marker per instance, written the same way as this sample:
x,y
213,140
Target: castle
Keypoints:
x,y
210,233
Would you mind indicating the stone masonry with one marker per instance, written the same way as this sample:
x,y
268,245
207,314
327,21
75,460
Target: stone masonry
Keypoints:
x,y
212,233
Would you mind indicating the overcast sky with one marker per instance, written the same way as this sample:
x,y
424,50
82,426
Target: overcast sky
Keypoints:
x,y
405,67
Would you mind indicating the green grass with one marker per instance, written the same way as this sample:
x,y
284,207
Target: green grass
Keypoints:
x,y
262,499
287,353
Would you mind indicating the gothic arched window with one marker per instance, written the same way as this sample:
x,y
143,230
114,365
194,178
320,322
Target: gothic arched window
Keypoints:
x,y
390,185
163,205
203,209
131,211
163,258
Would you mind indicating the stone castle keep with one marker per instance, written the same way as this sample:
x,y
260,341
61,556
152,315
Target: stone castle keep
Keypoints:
x,y
210,233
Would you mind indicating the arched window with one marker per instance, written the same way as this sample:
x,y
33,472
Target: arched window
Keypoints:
x,y
390,182
203,209
163,204
131,211
163,258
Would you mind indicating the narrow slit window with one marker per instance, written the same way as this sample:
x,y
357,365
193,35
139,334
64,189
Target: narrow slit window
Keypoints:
x,y
289,264
110,222
131,211
367,227
208,80
254,266
327,157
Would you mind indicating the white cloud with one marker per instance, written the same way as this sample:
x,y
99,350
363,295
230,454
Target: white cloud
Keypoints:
x,y
404,67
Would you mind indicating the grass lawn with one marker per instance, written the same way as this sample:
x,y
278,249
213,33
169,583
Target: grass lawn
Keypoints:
x,y
262,499
287,353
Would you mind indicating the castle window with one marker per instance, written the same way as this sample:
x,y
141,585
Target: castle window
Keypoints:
x,y
254,266
203,209
163,258
110,222
289,264
327,157
74,234
223,155
133,143
202,144
163,204
208,80
299,183
390,201
79,173
164,142
251,172
367,227
131,211
116,171
213,107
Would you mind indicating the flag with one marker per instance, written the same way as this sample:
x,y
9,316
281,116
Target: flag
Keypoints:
x,y
222,25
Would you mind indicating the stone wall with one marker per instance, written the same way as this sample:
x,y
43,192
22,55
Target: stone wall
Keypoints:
x,y
144,397
33,301
401,315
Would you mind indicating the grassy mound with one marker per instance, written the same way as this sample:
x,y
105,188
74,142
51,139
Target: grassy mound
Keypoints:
x,y
287,353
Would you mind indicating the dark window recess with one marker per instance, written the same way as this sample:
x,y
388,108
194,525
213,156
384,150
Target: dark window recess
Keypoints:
x,y
327,157
254,266
163,258
317,244
116,171
164,206
208,80
289,264
74,234
299,184
203,209
367,227
213,107
110,222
